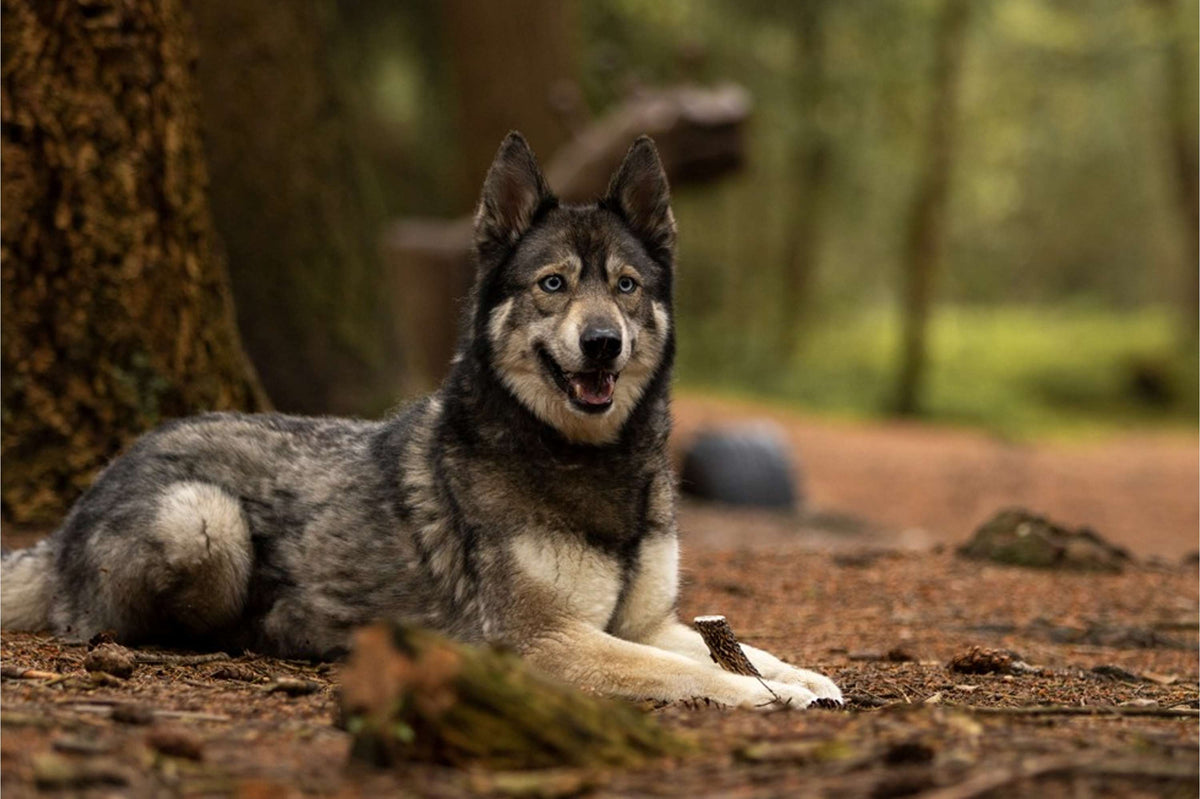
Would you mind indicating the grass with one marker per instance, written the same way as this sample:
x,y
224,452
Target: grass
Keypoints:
x,y
1018,371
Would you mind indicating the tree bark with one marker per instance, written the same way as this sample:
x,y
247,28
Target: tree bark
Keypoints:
x,y
411,695
295,204
116,313
922,247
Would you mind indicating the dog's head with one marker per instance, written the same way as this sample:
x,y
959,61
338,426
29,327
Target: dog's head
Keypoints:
x,y
574,301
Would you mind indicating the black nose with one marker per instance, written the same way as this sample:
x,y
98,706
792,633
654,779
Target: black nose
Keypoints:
x,y
600,344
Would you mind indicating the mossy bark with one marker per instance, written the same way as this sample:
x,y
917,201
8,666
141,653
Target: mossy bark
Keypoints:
x,y
115,313
412,695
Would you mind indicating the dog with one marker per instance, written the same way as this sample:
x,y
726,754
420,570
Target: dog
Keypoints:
x,y
529,502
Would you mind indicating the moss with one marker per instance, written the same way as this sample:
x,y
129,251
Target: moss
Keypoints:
x,y
410,694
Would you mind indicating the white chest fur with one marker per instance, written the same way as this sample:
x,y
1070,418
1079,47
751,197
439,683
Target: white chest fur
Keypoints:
x,y
584,580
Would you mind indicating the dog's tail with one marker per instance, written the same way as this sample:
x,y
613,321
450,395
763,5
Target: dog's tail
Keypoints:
x,y
26,586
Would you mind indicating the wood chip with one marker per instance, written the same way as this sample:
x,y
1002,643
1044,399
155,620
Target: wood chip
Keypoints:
x,y
132,713
175,742
18,673
293,686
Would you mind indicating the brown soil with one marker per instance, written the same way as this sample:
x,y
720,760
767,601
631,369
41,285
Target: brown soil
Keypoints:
x,y
884,625
934,484
1100,695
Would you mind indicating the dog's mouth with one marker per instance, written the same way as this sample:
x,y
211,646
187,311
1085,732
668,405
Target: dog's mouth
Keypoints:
x,y
591,392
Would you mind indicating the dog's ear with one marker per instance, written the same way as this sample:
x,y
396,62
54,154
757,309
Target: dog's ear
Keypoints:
x,y
513,192
640,195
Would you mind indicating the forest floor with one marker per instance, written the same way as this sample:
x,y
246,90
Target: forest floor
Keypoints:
x,y
1103,698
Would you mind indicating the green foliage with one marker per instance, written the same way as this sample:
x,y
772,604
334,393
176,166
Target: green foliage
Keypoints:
x,y
1017,370
1064,195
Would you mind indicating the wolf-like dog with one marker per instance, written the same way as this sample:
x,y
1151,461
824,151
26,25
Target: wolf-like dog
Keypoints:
x,y
529,502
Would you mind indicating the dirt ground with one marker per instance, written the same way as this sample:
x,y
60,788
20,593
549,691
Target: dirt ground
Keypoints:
x,y
927,484
1097,694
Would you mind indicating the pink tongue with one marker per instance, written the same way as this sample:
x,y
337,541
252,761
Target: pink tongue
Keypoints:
x,y
593,388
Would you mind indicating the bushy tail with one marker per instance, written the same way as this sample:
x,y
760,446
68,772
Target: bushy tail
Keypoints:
x,y
25,587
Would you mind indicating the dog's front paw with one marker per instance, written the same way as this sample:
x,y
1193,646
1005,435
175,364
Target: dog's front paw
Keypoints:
x,y
821,686
788,696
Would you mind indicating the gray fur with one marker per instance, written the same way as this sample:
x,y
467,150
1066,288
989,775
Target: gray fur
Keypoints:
x,y
528,502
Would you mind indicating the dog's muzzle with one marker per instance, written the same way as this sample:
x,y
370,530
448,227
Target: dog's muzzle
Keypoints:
x,y
589,391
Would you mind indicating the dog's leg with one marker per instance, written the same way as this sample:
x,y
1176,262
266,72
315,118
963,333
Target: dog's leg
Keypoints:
x,y
675,637
587,657
648,617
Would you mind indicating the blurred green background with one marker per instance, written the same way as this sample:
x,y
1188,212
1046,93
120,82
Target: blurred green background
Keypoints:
x,y
973,212
1063,292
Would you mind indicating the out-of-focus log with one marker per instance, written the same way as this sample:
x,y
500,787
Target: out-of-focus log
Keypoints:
x,y
409,694
698,133
700,137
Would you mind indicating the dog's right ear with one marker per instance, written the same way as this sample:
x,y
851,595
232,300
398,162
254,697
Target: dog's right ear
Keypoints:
x,y
513,192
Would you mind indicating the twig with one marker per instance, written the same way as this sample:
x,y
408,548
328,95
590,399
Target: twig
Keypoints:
x,y
1074,710
19,673
168,659
190,715
104,707
991,781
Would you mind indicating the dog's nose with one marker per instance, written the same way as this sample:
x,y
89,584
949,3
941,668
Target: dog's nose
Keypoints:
x,y
600,344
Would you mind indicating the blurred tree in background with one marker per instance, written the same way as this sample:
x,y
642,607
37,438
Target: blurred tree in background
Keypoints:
x,y
296,202
926,217
1063,230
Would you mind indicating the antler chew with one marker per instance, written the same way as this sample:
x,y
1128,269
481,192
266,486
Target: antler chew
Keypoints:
x,y
723,645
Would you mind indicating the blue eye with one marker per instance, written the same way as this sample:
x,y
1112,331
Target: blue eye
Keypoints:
x,y
551,283
626,285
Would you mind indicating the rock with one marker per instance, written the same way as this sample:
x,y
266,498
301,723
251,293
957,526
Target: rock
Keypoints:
x,y
1019,537
111,659
748,465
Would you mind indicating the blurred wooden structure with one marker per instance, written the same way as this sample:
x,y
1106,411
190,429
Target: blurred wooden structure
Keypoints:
x,y
700,137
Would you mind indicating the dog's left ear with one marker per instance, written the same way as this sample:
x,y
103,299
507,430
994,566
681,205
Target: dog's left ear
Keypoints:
x,y
513,192
640,195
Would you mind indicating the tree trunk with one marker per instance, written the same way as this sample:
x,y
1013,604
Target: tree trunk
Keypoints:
x,y
811,177
295,205
116,313
1179,100
928,210
514,68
